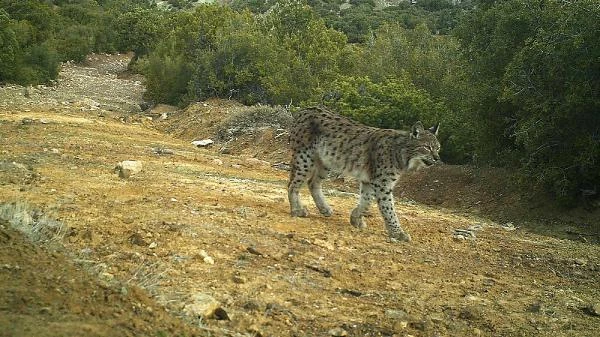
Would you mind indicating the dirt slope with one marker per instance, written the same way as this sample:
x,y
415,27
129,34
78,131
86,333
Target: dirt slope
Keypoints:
x,y
195,222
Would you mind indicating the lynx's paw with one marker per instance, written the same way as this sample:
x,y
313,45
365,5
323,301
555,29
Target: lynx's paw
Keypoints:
x,y
399,237
301,212
356,220
326,211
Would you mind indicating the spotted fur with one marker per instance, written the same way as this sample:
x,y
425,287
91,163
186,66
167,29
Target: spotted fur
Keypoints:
x,y
322,141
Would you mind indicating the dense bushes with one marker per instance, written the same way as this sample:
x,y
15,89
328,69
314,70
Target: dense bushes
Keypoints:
x,y
37,35
536,103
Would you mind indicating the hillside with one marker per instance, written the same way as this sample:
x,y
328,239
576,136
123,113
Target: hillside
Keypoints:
x,y
200,242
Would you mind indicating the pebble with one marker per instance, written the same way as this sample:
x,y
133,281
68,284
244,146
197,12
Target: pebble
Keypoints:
x,y
153,245
203,142
396,314
239,279
206,258
338,332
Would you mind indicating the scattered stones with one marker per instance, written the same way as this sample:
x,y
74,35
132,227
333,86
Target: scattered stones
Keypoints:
x,y
338,332
128,168
202,305
203,142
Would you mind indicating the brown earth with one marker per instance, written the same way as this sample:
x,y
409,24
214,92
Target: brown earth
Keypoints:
x,y
198,221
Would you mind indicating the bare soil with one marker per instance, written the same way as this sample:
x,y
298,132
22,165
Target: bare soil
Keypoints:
x,y
135,252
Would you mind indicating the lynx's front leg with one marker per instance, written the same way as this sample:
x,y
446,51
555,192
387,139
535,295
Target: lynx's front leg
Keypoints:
x,y
385,201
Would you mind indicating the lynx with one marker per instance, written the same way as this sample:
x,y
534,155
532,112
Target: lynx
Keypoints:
x,y
322,141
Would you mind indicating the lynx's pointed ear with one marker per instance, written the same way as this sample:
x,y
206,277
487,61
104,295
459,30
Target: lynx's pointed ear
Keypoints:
x,y
417,129
434,129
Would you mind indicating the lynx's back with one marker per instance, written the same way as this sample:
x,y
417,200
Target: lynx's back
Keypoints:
x,y
343,145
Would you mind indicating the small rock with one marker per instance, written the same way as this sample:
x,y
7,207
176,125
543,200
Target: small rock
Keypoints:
x,y
203,142
253,250
251,306
464,233
458,237
324,244
396,314
255,331
128,168
592,309
152,245
535,307
239,279
419,325
217,162
137,239
257,162
45,310
162,151
106,277
580,262
221,315
206,258
202,305
338,332
509,226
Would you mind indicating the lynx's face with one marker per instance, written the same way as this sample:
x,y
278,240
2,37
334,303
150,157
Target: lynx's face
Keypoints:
x,y
424,147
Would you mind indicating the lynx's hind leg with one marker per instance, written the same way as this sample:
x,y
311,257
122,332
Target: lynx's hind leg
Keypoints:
x,y
314,184
302,167
366,196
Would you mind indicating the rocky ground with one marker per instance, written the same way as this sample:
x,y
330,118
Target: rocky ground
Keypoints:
x,y
200,242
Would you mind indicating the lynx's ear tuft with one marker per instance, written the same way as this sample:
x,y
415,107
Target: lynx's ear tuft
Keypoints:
x,y
417,129
434,129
